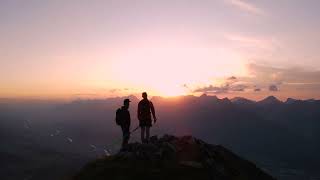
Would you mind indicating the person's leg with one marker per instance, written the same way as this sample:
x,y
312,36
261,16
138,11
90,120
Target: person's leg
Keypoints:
x,y
123,136
147,133
126,135
143,128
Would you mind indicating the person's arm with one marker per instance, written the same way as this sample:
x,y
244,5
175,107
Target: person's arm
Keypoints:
x,y
153,112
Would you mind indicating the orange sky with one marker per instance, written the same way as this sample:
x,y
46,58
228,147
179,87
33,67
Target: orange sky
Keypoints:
x,y
101,49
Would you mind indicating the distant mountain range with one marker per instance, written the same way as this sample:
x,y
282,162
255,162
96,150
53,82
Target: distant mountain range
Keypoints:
x,y
276,135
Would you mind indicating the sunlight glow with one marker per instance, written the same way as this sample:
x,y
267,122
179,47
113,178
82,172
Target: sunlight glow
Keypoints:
x,y
172,71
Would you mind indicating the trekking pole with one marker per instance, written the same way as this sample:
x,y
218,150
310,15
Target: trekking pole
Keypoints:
x,y
135,129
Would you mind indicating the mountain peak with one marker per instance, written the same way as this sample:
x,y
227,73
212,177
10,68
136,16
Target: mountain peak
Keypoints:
x,y
241,100
173,158
204,95
132,98
225,100
291,100
270,100
311,100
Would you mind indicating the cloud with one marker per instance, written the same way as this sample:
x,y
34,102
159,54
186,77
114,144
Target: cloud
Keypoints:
x,y
239,87
221,89
293,81
247,7
185,86
257,89
276,75
232,78
273,88
231,84
266,79
213,89
117,90
114,90
85,94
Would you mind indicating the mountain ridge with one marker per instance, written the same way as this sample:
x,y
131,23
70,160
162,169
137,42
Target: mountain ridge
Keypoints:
x,y
235,100
172,157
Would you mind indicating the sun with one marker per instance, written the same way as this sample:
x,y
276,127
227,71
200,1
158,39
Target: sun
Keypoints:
x,y
171,91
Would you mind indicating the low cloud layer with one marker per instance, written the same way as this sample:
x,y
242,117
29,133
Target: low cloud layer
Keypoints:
x,y
291,81
282,75
231,84
264,79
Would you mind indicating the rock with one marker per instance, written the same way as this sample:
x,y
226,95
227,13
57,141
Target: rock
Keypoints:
x,y
153,139
193,164
167,138
168,151
175,158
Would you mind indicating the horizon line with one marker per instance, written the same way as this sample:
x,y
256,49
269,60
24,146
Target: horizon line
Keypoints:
x,y
39,98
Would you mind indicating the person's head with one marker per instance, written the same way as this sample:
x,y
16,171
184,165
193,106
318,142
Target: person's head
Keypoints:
x,y
126,103
145,95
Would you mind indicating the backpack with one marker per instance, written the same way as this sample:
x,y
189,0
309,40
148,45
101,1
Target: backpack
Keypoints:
x,y
119,117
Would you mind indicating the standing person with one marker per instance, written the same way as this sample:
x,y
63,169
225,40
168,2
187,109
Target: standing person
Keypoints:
x,y
123,119
145,108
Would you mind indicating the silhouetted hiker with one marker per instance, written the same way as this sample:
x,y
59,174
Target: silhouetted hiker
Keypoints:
x,y
145,108
123,119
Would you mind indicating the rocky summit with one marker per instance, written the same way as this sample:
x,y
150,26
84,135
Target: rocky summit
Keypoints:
x,y
171,157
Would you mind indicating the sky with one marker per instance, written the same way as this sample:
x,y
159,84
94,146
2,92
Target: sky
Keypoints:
x,y
95,48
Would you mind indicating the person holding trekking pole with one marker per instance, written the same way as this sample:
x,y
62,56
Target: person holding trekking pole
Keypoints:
x,y
123,120
145,109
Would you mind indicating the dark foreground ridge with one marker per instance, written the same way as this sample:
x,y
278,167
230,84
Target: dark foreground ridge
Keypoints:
x,y
171,157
